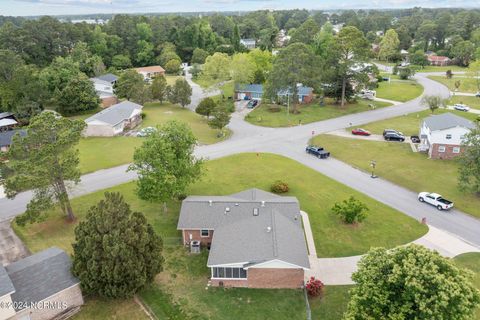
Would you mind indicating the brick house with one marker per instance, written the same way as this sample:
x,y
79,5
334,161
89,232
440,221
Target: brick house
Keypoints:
x,y
255,92
438,60
256,238
114,120
441,135
42,280
151,72
105,92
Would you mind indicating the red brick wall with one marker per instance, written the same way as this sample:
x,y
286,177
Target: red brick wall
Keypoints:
x,y
230,283
108,102
275,278
448,154
196,235
308,99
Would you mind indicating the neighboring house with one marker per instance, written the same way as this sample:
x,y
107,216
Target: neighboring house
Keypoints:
x,y
6,138
441,135
256,238
282,38
39,287
255,92
104,90
7,121
151,72
110,78
114,120
248,43
438,60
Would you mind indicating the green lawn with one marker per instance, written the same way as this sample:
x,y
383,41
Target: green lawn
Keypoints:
x,y
396,162
262,116
332,305
442,69
399,90
106,152
205,82
466,84
171,79
181,288
471,261
96,308
410,123
472,102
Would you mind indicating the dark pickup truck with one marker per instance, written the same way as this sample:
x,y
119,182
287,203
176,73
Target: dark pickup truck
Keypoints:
x,y
319,152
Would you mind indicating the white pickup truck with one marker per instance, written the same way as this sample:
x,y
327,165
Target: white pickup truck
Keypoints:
x,y
435,200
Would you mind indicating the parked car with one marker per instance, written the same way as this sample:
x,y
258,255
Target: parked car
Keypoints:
x,y
319,152
391,131
146,131
252,104
394,136
360,132
477,94
415,139
435,200
461,107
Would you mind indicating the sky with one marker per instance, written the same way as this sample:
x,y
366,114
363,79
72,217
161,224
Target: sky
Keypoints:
x,y
64,7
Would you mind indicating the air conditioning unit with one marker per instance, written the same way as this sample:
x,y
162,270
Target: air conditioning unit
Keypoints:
x,y
195,246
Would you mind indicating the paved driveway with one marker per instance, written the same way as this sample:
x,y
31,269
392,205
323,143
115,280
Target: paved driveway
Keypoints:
x,y
11,247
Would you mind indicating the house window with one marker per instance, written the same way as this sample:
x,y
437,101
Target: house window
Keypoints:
x,y
204,233
229,273
448,136
456,149
441,149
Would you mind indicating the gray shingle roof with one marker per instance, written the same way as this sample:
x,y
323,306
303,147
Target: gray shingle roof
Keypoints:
x,y
241,237
5,114
116,113
6,285
108,77
7,136
41,275
446,121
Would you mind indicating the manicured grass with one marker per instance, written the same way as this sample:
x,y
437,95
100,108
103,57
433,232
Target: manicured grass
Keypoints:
x,y
396,162
181,288
262,116
332,305
171,79
96,308
468,85
442,69
471,261
205,82
399,90
472,102
106,152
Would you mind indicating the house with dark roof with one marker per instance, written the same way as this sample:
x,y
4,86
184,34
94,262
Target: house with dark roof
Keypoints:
x,y
39,286
6,138
255,92
256,238
114,120
441,135
110,78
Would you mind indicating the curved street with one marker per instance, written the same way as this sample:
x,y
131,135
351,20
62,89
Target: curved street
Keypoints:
x,y
290,142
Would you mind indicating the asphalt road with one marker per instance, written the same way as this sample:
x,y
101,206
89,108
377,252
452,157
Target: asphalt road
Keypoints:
x,y
290,142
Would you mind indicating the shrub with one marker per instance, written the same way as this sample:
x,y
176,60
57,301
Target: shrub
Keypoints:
x,y
351,210
173,66
143,115
279,187
314,287
274,108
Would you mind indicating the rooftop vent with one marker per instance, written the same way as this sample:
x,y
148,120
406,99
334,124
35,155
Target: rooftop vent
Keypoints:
x,y
263,203
269,229
210,202
236,204
227,209
255,211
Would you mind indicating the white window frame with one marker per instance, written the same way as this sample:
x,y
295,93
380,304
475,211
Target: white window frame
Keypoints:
x,y
456,150
201,233
225,272
442,149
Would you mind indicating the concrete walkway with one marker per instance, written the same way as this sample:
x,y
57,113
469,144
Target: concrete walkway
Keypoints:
x,y
388,101
11,247
338,271
467,94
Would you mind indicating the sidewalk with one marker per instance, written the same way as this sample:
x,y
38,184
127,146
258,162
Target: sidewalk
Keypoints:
x,y
395,103
338,271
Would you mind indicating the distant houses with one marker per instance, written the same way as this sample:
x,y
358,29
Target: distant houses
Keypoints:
x,y
105,91
255,92
438,60
114,120
39,287
151,72
441,135
248,43
7,121
6,138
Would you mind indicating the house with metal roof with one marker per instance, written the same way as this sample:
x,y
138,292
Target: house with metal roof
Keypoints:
x,y
39,286
114,120
255,92
256,238
441,135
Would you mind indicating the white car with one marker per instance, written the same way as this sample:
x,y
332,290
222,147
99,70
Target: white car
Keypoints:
x,y
461,107
146,131
435,200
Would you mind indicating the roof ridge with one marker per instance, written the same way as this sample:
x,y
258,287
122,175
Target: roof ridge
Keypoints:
x,y
274,234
